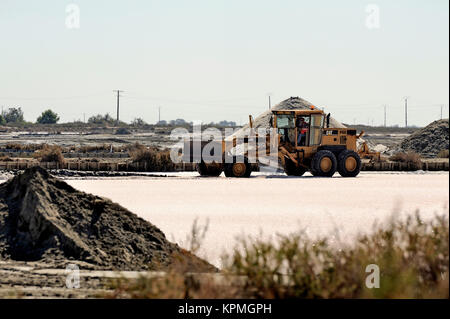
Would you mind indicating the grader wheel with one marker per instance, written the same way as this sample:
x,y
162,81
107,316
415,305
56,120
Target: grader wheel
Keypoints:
x,y
323,164
238,169
349,163
213,169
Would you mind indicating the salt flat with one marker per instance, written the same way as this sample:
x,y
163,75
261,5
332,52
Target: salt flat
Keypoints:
x,y
273,203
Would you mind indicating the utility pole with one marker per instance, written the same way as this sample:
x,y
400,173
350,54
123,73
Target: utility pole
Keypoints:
x,y
84,118
118,103
270,106
159,114
384,115
442,106
406,111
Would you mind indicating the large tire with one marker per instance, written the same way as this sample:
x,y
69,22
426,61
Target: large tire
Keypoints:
x,y
349,163
236,169
323,164
291,170
212,169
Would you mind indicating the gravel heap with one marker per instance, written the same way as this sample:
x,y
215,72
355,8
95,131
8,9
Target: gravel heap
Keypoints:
x,y
42,218
428,141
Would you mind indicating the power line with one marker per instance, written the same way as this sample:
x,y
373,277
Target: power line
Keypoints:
x,y
50,98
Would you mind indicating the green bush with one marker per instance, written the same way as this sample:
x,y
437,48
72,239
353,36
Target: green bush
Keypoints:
x,y
48,117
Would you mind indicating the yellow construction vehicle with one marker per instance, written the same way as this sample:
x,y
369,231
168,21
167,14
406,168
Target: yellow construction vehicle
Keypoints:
x,y
305,143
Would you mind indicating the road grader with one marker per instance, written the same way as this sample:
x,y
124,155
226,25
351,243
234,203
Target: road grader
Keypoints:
x,y
304,142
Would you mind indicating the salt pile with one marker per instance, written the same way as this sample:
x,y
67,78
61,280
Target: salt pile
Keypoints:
x,y
42,218
428,141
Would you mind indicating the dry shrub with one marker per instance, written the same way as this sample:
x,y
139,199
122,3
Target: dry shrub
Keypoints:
x,y
412,255
24,147
6,159
178,281
443,154
122,131
156,160
411,158
174,283
97,148
50,153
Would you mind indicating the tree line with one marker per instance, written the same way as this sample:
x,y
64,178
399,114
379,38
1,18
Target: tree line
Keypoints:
x,y
14,115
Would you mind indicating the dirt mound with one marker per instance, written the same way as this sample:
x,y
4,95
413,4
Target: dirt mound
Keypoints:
x,y
43,218
428,141
293,103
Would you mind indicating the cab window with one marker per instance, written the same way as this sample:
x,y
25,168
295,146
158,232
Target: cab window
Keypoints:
x,y
285,121
316,129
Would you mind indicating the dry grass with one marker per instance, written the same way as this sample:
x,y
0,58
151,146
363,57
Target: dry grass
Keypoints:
x,y
97,148
443,154
23,147
412,159
6,159
412,255
156,160
50,153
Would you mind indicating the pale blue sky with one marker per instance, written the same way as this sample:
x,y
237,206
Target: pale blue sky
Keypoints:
x,y
212,60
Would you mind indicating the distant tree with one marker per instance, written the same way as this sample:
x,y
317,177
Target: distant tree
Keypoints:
x,y
13,115
138,122
48,117
178,122
108,118
2,120
227,123
101,119
96,119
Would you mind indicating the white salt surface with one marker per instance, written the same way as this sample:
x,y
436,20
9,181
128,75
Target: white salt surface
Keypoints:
x,y
273,203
